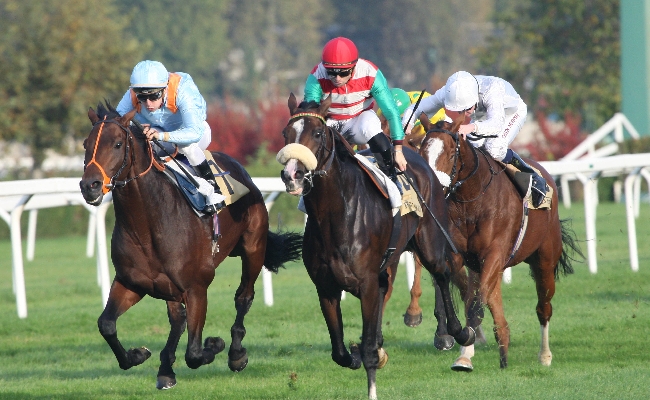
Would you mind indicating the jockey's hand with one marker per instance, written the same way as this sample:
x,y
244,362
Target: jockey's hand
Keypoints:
x,y
465,130
409,127
400,161
149,132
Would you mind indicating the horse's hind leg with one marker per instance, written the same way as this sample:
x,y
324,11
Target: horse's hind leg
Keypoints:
x,y
198,354
413,315
177,321
545,285
120,299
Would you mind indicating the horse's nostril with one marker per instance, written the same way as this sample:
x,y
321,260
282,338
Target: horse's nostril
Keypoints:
x,y
300,174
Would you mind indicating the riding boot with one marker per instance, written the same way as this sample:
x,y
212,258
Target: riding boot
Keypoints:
x,y
380,146
205,172
538,186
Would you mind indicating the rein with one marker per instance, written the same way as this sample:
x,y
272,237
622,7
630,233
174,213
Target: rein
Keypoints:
x,y
455,170
112,182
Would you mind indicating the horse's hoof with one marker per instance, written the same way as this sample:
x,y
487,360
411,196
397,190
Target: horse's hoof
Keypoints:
x,y
355,354
444,342
165,382
462,364
239,364
137,356
214,344
412,320
383,358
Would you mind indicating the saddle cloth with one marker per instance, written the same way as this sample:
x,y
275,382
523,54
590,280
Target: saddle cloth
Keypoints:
x,y
232,189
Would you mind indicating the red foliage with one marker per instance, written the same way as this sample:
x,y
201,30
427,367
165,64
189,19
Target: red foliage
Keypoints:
x,y
555,144
239,132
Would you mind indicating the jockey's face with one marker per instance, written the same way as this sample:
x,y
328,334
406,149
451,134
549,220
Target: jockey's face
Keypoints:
x,y
467,113
340,77
152,105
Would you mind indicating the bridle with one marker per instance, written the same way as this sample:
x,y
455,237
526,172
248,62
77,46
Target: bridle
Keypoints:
x,y
455,170
112,182
324,166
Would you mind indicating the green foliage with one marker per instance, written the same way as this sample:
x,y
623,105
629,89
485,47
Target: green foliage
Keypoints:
x,y
56,59
641,145
188,36
565,53
596,335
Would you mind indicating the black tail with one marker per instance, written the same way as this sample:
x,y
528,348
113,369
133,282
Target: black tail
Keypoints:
x,y
570,248
282,248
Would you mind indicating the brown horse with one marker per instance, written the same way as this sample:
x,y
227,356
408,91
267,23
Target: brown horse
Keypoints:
x,y
161,248
487,215
348,231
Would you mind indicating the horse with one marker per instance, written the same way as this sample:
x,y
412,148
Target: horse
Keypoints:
x,y
486,221
160,247
345,240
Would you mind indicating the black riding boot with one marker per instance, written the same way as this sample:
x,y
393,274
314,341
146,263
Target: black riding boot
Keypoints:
x,y
205,172
538,187
380,146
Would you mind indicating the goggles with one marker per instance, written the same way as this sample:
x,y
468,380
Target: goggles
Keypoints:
x,y
339,72
151,95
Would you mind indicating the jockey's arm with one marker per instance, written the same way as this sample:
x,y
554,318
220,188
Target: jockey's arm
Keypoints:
x,y
313,90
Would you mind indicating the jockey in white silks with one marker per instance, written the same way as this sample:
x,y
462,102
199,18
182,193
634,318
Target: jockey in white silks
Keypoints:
x,y
172,110
491,107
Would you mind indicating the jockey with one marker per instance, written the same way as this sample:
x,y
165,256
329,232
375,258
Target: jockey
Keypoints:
x,y
173,111
354,84
491,107
403,99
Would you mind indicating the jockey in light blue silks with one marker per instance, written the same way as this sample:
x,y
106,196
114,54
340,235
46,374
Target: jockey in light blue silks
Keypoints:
x,y
172,110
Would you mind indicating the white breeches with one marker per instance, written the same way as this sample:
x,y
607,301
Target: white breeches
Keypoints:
x,y
358,130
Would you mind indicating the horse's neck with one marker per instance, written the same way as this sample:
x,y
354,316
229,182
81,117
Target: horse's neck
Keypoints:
x,y
333,191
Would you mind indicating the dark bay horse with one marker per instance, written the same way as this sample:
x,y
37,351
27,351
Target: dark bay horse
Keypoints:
x,y
486,214
161,248
349,224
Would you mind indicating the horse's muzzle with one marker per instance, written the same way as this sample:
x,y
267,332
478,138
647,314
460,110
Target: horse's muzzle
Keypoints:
x,y
293,184
91,190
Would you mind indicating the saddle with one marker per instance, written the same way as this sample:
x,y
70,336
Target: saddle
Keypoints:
x,y
523,182
229,187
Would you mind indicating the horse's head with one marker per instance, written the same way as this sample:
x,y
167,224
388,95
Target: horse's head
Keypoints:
x,y
107,152
306,144
440,148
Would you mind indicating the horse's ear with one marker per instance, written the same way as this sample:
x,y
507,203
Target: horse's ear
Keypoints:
x,y
292,103
325,105
92,115
425,121
127,117
455,127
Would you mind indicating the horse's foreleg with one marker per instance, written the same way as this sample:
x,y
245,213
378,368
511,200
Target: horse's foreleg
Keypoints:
x,y
413,316
464,336
370,312
442,339
331,308
237,355
120,299
177,321
198,354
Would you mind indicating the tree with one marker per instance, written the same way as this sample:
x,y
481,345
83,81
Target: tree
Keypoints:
x,y
188,36
565,51
57,58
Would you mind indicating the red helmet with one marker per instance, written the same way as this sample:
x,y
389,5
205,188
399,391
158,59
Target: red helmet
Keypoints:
x,y
340,52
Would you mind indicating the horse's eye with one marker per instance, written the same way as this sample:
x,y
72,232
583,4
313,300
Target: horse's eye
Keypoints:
x,y
318,133
284,133
85,142
118,145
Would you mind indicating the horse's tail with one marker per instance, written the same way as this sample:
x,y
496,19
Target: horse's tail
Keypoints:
x,y
570,248
282,248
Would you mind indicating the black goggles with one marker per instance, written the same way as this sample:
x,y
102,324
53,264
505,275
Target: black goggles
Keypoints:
x,y
339,72
149,96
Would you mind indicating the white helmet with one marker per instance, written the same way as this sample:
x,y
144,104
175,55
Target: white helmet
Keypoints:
x,y
461,91
149,74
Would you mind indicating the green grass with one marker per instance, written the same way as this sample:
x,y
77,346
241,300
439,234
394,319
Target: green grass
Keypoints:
x,y
598,331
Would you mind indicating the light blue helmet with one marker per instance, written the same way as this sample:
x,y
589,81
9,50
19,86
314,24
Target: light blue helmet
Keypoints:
x,y
149,74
